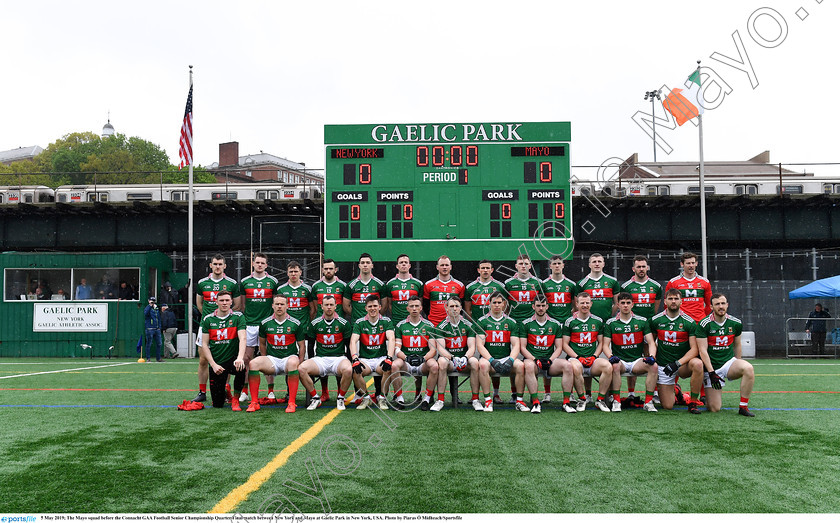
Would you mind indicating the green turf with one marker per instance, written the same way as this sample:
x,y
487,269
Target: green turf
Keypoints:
x,y
150,457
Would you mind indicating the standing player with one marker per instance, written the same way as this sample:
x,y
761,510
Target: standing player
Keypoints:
x,y
207,289
416,355
223,348
601,287
583,342
479,291
300,304
498,344
440,288
257,290
399,289
282,348
695,290
719,341
522,290
647,295
332,334
676,351
559,292
357,291
625,338
372,349
329,285
455,337
541,342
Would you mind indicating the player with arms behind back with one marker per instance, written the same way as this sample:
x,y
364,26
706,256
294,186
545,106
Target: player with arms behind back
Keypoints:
x,y
560,293
257,290
719,341
399,289
695,290
478,292
440,288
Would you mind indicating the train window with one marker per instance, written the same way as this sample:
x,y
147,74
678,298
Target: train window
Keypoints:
x,y
268,195
749,189
97,196
658,190
837,188
223,196
139,196
178,196
790,189
828,188
710,189
27,198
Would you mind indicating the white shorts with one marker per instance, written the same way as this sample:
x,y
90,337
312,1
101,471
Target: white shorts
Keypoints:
x,y
372,363
723,372
587,372
252,336
198,337
664,379
328,365
627,367
279,364
414,370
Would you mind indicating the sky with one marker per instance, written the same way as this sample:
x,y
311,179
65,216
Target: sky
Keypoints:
x,y
270,75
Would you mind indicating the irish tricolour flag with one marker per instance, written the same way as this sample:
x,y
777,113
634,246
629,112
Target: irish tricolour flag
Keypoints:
x,y
685,104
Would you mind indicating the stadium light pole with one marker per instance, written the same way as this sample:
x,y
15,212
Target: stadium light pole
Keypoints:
x,y
653,95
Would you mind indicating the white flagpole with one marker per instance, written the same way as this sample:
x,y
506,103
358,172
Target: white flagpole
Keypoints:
x,y
702,183
190,294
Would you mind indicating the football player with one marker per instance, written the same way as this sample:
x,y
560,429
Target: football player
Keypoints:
x,y
415,355
372,349
498,344
455,338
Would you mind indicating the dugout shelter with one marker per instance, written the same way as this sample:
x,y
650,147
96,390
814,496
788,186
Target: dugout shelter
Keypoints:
x,y
74,304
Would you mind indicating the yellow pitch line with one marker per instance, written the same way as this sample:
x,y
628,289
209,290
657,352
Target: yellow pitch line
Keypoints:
x,y
241,493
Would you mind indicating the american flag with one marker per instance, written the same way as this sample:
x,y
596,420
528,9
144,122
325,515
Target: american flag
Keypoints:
x,y
185,151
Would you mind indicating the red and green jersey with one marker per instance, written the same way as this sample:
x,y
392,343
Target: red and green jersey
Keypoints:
x,y
357,292
560,296
331,336
644,295
335,289
258,294
672,336
437,292
373,342
224,334
583,334
478,293
540,337
498,333
627,338
720,338
602,291
298,299
281,337
399,291
414,338
209,289
521,294
456,335
696,295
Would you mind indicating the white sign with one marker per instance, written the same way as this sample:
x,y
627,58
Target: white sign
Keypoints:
x,y
70,317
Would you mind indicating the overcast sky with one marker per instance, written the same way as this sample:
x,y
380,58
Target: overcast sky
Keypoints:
x,y
271,74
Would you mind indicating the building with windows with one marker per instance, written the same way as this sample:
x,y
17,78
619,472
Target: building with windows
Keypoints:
x,y
262,167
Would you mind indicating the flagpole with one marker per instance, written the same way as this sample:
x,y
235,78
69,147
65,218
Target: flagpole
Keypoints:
x,y
702,182
190,294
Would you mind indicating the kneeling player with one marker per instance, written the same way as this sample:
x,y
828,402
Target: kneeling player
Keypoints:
x,y
223,348
455,338
583,342
282,348
625,338
498,344
719,341
415,355
372,349
332,334
676,351
541,342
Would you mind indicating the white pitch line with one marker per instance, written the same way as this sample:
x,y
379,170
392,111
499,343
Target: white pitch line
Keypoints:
x,y
65,370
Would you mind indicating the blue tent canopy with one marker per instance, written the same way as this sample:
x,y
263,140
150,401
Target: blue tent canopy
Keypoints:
x,y
825,288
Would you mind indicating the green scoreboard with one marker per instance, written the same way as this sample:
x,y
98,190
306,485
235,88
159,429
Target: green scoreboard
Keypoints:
x,y
467,190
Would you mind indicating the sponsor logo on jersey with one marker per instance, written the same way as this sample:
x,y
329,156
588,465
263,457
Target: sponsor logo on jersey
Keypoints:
x,y
559,297
721,341
258,294
415,341
329,339
502,336
633,338
373,340
679,336
223,334
280,340
644,298
537,340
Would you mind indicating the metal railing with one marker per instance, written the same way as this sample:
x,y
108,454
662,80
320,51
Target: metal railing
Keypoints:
x,y
800,344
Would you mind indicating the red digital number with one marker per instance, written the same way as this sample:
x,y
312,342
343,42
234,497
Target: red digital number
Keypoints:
x,y
408,211
506,211
545,172
455,156
364,173
559,210
472,155
422,156
355,213
437,156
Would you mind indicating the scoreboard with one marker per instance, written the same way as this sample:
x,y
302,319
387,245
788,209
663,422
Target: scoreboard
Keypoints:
x,y
467,190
